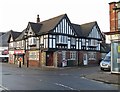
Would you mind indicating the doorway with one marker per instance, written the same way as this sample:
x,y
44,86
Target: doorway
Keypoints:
x,y
85,59
49,58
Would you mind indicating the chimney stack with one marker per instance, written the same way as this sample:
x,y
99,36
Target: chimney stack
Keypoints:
x,y
38,19
112,14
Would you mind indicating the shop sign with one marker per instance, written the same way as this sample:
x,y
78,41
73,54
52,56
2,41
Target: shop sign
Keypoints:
x,y
11,52
115,36
19,52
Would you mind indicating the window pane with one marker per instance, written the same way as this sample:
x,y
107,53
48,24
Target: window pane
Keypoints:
x,y
50,43
53,43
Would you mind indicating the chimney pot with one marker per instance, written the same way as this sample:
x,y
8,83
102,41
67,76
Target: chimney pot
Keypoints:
x,y
38,19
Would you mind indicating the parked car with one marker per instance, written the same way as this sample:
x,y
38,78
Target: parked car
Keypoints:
x,y
5,59
105,64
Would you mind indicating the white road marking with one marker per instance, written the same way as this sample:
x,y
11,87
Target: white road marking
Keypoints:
x,y
64,86
3,88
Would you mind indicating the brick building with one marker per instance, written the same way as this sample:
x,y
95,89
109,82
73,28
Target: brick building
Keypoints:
x,y
114,9
114,36
57,42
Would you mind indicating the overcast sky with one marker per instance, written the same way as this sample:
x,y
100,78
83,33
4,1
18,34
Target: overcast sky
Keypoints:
x,y
15,14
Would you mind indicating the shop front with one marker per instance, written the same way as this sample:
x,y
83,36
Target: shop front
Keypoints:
x,y
115,57
11,57
115,53
19,54
33,58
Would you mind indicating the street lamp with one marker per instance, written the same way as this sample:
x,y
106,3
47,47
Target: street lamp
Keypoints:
x,y
26,43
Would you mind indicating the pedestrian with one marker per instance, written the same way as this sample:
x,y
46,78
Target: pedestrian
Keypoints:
x,y
19,63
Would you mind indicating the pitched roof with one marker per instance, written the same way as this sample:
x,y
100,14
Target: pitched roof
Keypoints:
x,y
4,38
87,27
42,27
35,27
84,29
15,34
78,29
50,24
21,36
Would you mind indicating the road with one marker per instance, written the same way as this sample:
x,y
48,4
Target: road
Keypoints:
x,y
14,78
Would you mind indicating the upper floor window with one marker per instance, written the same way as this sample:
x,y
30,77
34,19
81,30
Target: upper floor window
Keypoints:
x,y
73,41
83,42
18,44
118,20
92,42
41,40
11,44
32,41
62,39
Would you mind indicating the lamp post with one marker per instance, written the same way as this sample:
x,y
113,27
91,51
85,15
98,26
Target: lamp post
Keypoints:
x,y
26,49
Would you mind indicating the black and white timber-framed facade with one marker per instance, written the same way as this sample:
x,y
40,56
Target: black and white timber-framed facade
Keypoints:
x,y
57,42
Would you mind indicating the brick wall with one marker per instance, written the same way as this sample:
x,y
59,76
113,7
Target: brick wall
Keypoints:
x,y
33,63
113,17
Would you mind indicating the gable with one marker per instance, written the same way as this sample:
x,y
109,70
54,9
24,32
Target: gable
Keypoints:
x,y
11,38
95,33
30,31
64,27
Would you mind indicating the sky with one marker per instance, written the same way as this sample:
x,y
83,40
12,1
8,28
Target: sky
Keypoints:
x,y
15,14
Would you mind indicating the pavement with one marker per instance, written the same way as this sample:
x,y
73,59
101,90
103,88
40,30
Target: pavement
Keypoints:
x,y
103,76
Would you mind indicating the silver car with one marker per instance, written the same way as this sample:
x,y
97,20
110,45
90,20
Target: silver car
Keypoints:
x,y
105,64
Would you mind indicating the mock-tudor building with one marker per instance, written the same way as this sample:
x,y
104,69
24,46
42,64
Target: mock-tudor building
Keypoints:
x,y
57,42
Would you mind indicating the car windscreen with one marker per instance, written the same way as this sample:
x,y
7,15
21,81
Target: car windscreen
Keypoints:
x,y
107,58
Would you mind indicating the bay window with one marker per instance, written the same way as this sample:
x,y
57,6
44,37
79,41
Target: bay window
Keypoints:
x,y
32,41
62,39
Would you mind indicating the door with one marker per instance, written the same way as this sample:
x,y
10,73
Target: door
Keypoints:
x,y
85,59
49,58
